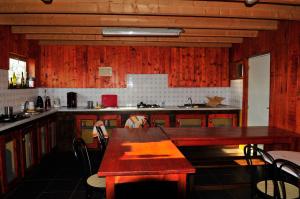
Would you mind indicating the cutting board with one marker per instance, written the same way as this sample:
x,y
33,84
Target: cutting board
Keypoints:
x,y
109,100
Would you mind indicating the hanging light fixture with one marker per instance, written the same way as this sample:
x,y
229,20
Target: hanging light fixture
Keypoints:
x,y
250,2
47,1
120,31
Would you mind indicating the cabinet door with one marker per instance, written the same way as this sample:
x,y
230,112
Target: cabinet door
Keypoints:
x,y
84,129
42,139
160,120
111,121
27,148
222,120
52,134
190,120
9,160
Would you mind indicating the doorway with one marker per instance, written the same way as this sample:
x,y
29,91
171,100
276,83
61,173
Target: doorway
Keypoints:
x,y
258,90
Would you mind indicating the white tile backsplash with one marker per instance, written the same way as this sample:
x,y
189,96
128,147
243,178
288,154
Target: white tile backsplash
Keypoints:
x,y
149,88
236,92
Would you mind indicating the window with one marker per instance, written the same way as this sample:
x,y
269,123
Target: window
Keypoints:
x,y
17,67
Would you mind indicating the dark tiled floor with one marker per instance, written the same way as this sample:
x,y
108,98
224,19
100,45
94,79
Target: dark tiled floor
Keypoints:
x,y
57,177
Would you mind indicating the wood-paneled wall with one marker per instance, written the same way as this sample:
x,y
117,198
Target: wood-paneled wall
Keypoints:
x,y
16,44
77,66
284,46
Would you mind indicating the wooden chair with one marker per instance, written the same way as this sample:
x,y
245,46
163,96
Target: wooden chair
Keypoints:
x,y
92,181
287,176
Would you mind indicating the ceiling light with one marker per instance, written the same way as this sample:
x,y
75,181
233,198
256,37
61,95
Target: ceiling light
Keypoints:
x,y
47,1
250,2
107,31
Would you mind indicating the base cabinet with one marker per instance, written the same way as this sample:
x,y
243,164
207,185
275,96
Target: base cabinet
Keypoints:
x,y
21,149
84,129
85,125
9,161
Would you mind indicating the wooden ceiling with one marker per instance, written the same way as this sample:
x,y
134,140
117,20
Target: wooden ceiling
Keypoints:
x,y
205,23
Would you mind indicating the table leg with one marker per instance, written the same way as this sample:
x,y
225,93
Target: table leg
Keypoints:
x,y
181,186
110,187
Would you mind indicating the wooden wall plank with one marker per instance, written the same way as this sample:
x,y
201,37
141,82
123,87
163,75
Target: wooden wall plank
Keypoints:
x,y
77,66
284,46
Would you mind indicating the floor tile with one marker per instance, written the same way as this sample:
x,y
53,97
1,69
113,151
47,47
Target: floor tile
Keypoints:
x,y
55,195
61,185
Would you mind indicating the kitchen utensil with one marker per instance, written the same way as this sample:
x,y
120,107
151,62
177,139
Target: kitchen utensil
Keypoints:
x,y
71,100
109,100
90,104
39,102
30,105
47,103
8,111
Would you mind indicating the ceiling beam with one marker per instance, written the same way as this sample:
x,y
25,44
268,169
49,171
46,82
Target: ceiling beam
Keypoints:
x,y
98,30
135,21
133,39
128,43
156,7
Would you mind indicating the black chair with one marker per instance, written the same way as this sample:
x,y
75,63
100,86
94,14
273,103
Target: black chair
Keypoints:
x,y
262,181
101,138
287,175
92,181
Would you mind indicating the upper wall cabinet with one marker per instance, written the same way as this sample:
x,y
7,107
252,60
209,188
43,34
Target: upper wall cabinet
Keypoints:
x,y
236,70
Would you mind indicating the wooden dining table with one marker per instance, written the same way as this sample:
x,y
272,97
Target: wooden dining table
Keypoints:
x,y
134,155
231,136
151,153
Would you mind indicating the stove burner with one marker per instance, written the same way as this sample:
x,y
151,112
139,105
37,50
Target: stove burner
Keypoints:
x,y
12,118
143,105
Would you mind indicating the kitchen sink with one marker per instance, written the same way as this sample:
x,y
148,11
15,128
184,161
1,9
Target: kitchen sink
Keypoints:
x,y
193,106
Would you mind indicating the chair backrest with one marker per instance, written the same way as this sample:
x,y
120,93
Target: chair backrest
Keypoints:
x,y
82,155
101,138
251,152
137,121
286,171
254,156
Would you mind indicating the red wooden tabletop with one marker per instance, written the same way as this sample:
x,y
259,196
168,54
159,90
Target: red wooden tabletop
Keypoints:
x,y
220,136
145,151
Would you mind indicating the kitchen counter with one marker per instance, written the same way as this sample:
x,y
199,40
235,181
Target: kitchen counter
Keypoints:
x,y
133,108
5,126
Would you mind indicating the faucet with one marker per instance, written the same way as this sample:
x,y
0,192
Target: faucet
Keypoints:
x,y
190,101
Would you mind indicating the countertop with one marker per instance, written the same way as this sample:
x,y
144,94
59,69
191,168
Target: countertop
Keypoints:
x,y
133,108
8,125
5,126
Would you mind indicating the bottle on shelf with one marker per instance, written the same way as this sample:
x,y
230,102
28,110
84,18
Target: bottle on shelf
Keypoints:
x,y
10,84
22,81
31,82
14,80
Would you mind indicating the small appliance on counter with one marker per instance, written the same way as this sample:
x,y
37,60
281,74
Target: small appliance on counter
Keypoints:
x,y
39,102
109,100
56,103
71,100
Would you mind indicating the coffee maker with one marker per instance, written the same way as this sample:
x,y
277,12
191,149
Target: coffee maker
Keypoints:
x,y
71,100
